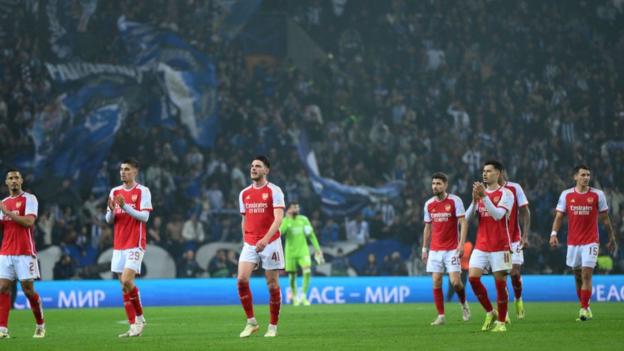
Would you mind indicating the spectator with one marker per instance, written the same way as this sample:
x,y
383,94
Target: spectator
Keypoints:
x,y
371,265
64,268
188,266
221,266
329,232
357,230
193,232
340,264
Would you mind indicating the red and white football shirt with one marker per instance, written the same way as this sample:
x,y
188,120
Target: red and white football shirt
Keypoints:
x,y
582,210
493,235
443,215
19,240
257,205
130,232
521,200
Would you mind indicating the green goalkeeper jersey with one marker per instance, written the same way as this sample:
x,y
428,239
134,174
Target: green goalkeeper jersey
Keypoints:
x,y
296,231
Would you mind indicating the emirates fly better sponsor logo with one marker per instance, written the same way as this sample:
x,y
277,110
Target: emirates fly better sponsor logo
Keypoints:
x,y
256,207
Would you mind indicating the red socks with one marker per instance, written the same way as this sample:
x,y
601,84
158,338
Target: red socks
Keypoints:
x,y
461,294
585,297
481,293
438,298
37,308
135,299
275,302
502,299
578,294
130,312
5,307
245,297
516,283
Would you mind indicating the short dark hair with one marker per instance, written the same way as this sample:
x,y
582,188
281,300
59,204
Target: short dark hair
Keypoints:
x,y
12,169
497,165
577,168
264,160
439,175
132,162
293,203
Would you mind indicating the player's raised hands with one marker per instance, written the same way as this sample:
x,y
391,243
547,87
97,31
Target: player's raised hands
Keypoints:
x,y
479,189
120,201
554,242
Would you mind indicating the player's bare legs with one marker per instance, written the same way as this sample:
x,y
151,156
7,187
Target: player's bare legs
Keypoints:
x,y
5,306
458,286
583,278
516,282
132,303
474,276
275,300
244,273
35,305
438,298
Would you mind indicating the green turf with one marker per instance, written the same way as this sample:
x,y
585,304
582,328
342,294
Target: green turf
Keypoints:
x,y
548,326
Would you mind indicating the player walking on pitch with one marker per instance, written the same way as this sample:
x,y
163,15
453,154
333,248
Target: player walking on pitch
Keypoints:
x,y
297,230
443,212
492,206
520,213
262,209
18,256
129,207
583,205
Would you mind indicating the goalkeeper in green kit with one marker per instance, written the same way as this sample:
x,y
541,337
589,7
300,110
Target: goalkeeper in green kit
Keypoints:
x,y
296,230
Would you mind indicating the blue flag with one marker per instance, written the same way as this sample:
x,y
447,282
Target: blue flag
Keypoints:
x,y
337,199
188,76
73,136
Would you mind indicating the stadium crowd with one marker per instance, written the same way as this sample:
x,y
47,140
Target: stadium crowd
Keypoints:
x,y
405,89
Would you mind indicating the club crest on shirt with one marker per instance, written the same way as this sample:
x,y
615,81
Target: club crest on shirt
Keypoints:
x,y
447,207
18,204
247,197
135,197
265,196
590,200
572,201
496,198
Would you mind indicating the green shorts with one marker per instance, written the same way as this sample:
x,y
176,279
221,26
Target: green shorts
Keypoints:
x,y
292,262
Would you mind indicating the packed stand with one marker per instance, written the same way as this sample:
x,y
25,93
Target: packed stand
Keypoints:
x,y
406,89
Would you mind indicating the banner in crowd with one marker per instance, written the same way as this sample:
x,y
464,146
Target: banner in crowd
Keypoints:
x,y
74,135
324,290
63,26
337,199
189,76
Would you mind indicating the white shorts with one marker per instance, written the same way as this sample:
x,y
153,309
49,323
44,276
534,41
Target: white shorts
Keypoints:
x,y
582,255
517,255
497,261
437,260
129,258
272,256
22,267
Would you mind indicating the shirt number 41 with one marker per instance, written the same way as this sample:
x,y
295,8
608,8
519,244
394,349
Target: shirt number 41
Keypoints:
x,y
275,257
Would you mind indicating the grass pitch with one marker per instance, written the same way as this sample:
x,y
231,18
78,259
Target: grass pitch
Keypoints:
x,y
548,326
